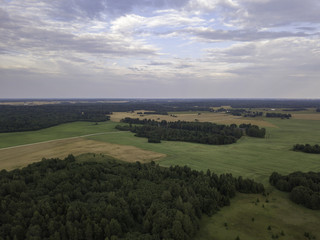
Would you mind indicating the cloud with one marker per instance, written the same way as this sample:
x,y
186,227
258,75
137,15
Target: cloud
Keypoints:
x,y
273,13
195,48
209,34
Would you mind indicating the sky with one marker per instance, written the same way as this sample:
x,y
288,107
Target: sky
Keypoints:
x,y
159,49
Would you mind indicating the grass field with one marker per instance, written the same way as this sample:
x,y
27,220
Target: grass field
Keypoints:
x,y
62,131
249,157
249,219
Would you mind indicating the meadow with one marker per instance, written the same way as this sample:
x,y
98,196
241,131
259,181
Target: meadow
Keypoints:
x,y
249,157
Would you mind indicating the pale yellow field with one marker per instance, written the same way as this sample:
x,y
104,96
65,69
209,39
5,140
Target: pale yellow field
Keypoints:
x,y
21,156
192,116
311,116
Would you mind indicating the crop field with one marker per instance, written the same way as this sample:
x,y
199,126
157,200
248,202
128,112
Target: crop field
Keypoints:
x,y
249,157
17,157
315,116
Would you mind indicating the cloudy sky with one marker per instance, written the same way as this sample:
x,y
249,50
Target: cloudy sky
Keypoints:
x,y
159,48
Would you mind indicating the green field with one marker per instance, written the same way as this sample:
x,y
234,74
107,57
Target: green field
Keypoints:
x,y
62,131
249,157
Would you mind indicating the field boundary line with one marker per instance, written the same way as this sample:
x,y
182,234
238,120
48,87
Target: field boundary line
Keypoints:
x,y
60,139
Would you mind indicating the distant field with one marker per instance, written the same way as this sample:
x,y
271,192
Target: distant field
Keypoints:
x,y
221,118
315,116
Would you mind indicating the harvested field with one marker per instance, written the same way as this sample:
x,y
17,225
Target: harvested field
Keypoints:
x,y
221,118
313,116
21,156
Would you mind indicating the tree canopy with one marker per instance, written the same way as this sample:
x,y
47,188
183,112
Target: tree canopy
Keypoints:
x,y
66,199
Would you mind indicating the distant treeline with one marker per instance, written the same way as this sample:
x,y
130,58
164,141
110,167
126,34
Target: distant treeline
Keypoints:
x,y
307,148
244,113
26,118
55,199
198,132
294,109
304,188
318,109
278,115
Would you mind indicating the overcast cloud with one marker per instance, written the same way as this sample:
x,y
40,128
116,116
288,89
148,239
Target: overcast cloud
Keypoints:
x,y
159,48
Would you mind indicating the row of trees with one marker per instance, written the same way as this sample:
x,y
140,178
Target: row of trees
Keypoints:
x,y
307,148
244,112
278,115
206,133
26,118
56,199
304,188
253,130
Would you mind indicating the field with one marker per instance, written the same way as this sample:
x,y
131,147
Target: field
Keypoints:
x,y
250,219
249,157
17,157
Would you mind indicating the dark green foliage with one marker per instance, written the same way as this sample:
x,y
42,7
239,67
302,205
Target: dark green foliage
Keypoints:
x,y
242,112
309,235
307,148
112,200
206,133
253,130
26,118
278,115
156,112
154,139
304,188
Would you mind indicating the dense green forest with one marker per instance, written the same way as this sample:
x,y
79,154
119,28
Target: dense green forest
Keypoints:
x,y
66,199
26,118
199,132
307,148
304,188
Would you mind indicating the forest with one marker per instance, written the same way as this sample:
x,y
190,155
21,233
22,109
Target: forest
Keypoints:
x,y
307,148
27,118
304,188
66,199
198,132
278,115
